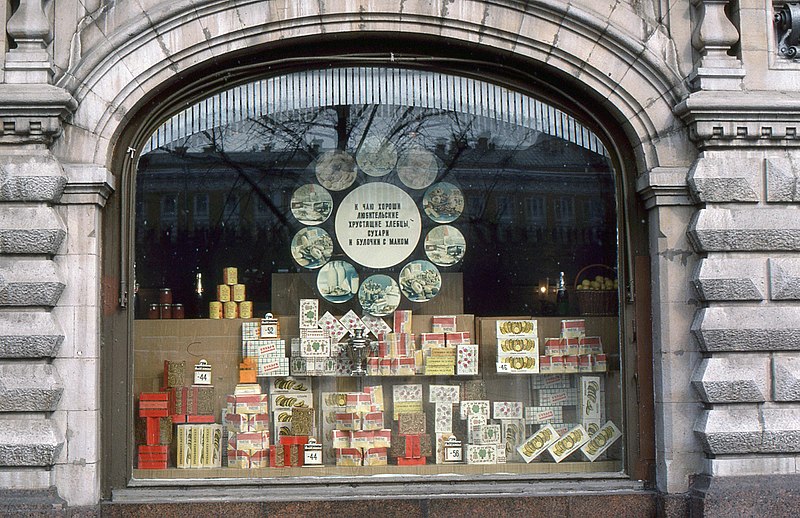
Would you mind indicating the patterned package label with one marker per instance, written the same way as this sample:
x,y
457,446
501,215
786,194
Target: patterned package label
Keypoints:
x,y
552,381
273,366
405,407
250,331
286,385
351,322
331,325
309,313
481,454
544,414
376,325
443,417
512,433
444,394
467,359
516,328
474,408
402,321
601,441
537,443
589,398
488,434
315,347
407,392
568,443
507,410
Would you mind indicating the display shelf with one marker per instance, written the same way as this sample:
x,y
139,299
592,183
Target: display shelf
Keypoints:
x,y
542,468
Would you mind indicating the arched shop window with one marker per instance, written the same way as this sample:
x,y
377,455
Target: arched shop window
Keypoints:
x,y
369,270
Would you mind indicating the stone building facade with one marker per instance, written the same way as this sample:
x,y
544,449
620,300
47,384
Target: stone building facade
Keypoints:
x,y
705,98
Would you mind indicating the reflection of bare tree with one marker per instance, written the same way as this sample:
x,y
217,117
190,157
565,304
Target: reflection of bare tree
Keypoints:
x,y
249,170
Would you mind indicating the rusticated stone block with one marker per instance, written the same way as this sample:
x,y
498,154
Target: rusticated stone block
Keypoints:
x,y
31,178
729,430
786,377
29,442
736,379
720,177
29,388
781,430
30,230
770,328
29,282
784,279
29,335
781,180
745,230
730,279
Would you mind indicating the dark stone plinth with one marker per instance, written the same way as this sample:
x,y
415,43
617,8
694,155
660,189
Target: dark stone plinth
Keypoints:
x,y
756,496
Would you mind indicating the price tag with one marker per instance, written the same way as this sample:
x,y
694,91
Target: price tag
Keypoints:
x,y
269,327
202,373
453,452
312,453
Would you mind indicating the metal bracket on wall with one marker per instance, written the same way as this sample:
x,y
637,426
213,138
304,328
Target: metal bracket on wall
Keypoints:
x,y
787,23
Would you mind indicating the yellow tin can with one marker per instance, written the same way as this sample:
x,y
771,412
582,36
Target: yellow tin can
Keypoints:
x,y
215,310
230,310
246,309
223,293
230,276
238,292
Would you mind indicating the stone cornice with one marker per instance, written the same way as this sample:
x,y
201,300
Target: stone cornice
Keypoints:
x,y
742,119
664,186
87,184
32,114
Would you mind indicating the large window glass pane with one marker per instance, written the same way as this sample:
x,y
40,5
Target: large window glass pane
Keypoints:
x,y
414,270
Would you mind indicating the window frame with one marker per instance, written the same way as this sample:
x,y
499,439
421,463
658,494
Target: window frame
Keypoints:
x,y
623,166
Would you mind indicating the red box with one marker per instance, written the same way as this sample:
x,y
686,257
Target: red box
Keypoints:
x,y
154,396
411,462
152,430
152,457
412,447
443,323
276,462
153,465
290,440
200,419
287,449
153,404
153,412
459,338
148,448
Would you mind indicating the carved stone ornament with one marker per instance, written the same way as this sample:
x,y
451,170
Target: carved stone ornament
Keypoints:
x,y
30,29
32,114
732,119
714,35
787,23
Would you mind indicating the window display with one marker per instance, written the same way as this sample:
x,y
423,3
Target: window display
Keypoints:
x,y
406,272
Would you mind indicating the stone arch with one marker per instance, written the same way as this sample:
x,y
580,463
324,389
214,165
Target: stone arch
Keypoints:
x,y
122,54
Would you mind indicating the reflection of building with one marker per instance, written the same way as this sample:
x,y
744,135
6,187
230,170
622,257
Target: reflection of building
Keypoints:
x,y
696,101
250,205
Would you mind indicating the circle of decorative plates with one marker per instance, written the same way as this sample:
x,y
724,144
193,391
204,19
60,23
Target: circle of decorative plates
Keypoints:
x,y
336,170
420,281
445,245
376,156
379,295
311,204
337,281
417,168
443,202
312,247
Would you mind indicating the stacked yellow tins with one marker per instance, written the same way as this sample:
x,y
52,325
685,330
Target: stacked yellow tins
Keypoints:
x,y
231,297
